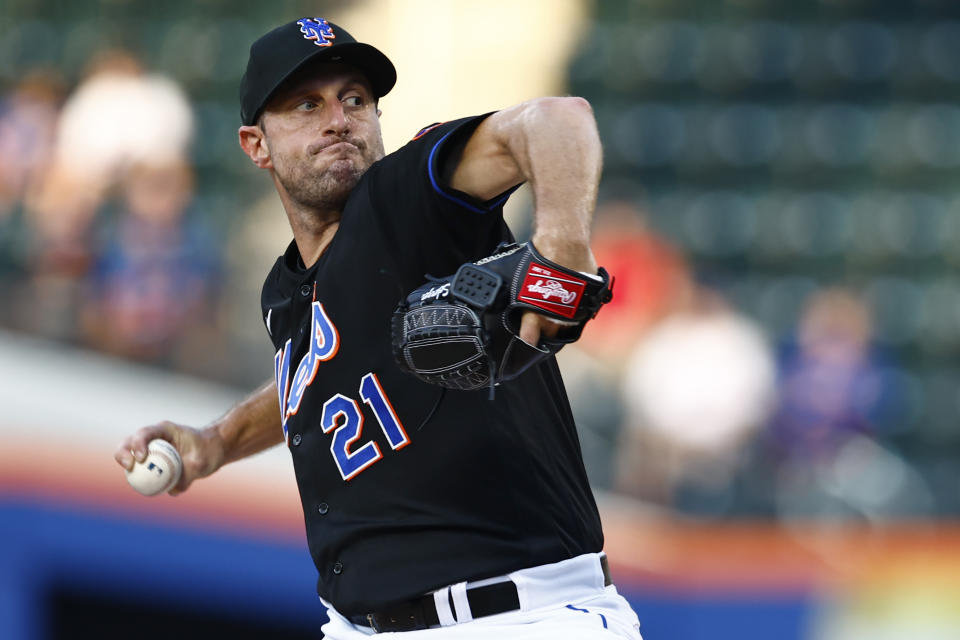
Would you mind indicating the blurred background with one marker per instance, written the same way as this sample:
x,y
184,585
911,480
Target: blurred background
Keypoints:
x,y
768,408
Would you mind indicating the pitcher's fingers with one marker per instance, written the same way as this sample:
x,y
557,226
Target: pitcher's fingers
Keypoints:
x,y
530,328
134,448
534,326
549,327
123,456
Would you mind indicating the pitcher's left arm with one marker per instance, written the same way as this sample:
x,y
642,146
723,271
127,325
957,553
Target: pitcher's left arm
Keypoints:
x,y
553,144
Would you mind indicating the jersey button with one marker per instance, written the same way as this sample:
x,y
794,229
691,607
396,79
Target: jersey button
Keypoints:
x,y
338,567
305,290
322,508
296,440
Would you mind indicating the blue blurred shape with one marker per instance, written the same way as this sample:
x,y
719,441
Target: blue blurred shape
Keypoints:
x,y
48,548
685,616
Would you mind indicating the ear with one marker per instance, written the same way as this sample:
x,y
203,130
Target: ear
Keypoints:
x,y
254,144
379,113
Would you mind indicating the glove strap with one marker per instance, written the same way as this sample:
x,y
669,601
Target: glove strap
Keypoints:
x,y
476,286
561,291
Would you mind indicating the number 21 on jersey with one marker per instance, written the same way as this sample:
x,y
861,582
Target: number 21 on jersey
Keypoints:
x,y
341,415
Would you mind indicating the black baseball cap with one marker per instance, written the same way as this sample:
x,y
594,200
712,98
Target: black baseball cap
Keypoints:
x,y
287,49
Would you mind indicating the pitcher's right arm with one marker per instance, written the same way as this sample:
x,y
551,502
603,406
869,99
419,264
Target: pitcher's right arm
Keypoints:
x,y
250,426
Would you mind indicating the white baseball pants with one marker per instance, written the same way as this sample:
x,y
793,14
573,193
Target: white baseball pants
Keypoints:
x,y
561,601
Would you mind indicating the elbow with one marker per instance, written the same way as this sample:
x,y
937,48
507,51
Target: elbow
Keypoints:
x,y
578,104
569,107
570,114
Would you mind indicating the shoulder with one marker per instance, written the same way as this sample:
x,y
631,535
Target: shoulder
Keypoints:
x,y
432,138
421,163
408,192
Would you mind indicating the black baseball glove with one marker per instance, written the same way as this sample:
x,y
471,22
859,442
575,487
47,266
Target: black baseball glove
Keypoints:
x,y
463,331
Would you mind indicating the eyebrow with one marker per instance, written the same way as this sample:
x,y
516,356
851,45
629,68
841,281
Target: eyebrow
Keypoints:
x,y
286,96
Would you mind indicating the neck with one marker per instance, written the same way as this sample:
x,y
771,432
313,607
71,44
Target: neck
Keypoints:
x,y
313,228
313,235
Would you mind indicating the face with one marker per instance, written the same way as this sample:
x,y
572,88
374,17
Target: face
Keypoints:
x,y
321,133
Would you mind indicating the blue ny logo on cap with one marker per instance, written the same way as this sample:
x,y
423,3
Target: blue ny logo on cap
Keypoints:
x,y
318,30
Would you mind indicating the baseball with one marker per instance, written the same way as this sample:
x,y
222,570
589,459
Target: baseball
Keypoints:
x,y
159,472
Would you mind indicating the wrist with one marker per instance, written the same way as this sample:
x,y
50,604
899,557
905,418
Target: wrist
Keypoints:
x,y
570,252
214,445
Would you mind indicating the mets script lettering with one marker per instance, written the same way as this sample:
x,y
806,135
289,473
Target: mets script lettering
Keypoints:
x,y
324,342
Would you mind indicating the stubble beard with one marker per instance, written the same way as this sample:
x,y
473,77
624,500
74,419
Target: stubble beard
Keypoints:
x,y
328,190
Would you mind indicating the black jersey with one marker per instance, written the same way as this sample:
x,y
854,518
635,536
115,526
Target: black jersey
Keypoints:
x,y
407,487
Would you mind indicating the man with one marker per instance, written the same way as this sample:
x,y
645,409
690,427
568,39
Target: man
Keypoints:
x,y
437,513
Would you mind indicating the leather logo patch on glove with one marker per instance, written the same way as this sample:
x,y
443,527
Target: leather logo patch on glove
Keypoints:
x,y
550,290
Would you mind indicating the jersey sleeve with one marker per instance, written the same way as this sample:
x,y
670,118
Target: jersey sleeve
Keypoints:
x,y
417,207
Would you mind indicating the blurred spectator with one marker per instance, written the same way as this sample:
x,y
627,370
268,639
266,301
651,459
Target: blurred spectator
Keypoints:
x,y
833,384
156,276
28,120
650,275
56,243
695,388
118,116
836,395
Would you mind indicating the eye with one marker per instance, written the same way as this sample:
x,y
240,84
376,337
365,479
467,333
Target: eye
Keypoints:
x,y
306,105
354,101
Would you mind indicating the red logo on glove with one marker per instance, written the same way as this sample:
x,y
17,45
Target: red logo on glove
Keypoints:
x,y
551,290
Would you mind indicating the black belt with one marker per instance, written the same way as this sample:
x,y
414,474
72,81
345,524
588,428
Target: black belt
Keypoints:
x,y
421,613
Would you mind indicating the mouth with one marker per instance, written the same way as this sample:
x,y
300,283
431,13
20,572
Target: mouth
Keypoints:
x,y
336,147
340,146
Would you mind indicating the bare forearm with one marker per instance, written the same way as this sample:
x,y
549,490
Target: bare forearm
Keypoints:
x,y
557,150
251,426
553,144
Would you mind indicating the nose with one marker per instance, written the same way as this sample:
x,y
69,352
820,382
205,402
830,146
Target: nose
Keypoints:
x,y
337,122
